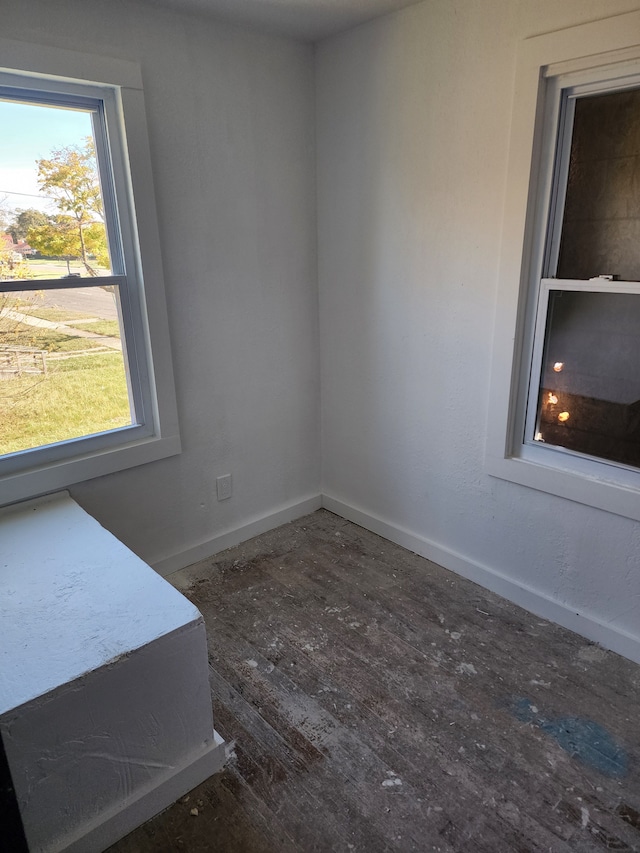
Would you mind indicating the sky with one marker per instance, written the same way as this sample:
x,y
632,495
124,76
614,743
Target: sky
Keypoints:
x,y
29,132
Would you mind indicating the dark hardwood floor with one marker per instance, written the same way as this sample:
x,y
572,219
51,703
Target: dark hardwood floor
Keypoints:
x,y
379,703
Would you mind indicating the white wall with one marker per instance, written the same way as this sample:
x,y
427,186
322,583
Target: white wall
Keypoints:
x,y
413,128
413,115
231,127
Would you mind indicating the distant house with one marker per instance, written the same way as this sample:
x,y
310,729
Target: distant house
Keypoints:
x,y
18,250
24,248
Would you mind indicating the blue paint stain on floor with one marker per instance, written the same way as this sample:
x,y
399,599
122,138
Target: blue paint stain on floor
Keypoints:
x,y
583,739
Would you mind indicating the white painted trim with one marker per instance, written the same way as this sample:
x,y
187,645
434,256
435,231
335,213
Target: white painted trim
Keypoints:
x,y
585,624
66,472
609,45
53,467
115,823
165,566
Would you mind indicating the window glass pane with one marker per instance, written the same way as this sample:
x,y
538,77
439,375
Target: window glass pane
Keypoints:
x,y
601,225
589,399
51,202
62,370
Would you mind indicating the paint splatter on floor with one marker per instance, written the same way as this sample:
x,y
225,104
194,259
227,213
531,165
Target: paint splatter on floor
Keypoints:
x,y
321,736
583,739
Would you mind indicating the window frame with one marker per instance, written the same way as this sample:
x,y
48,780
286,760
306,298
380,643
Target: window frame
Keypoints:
x,y
137,272
591,56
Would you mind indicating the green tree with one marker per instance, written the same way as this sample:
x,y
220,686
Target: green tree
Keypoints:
x,y
70,176
60,237
23,220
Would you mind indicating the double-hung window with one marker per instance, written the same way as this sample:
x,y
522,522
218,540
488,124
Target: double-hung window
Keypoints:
x,y
86,382
565,401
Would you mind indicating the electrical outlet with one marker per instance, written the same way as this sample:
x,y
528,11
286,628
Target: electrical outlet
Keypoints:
x,y
223,487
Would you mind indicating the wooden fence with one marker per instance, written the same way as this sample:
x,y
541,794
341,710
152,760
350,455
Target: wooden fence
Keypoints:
x,y
16,361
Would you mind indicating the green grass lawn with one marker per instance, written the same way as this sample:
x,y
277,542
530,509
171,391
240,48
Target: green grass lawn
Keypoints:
x,y
39,268
55,315
110,328
80,395
51,340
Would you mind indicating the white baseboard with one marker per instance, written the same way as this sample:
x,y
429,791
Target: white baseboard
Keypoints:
x,y
229,538
114,824
587,625
535,602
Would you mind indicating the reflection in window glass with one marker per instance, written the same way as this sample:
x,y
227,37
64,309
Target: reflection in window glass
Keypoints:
x,y
62,370
601,221
589,397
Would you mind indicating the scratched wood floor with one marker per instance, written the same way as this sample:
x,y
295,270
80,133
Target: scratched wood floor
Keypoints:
x,y
380,703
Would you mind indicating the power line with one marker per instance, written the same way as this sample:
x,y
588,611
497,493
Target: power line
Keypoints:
x,y
29,195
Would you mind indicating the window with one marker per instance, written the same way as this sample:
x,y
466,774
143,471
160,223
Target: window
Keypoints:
x,y
85,372
565,399
584,391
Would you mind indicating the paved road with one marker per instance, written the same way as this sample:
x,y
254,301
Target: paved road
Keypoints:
x,y
88,300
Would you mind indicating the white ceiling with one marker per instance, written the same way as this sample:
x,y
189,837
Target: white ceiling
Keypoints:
x,y
310,20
